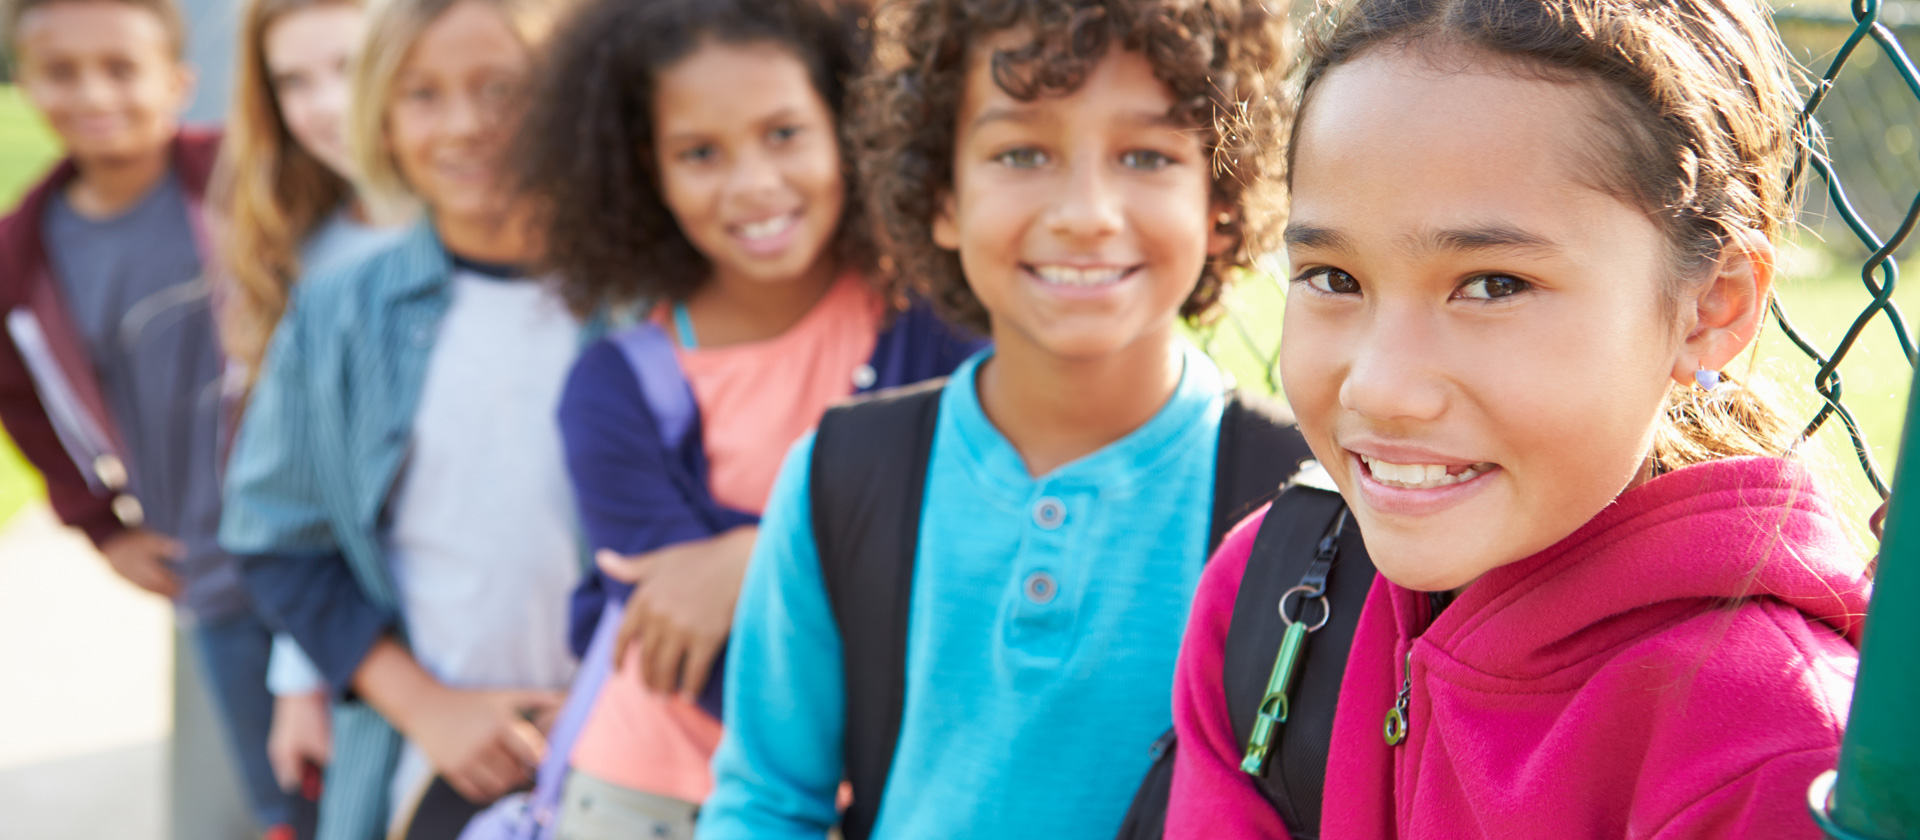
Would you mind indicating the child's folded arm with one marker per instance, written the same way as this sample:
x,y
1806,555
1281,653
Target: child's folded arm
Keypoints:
x,y
1211,797
780,763
620,470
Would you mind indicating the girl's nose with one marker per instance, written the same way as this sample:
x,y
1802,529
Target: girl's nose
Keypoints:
x,y
753,172
1393,374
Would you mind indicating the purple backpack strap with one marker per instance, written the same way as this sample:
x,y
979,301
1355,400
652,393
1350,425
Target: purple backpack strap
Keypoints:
x,y
532,817
649,351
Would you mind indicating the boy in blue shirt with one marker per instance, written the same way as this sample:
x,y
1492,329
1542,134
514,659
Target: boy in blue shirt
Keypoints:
x,y
110,366
1072,178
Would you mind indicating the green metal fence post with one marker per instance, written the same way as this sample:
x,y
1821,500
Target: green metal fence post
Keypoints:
x,y
1877,790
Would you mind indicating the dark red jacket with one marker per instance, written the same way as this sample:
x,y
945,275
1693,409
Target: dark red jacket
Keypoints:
x,y
87,492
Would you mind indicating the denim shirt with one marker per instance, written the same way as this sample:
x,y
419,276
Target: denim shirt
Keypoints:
x,y
323,441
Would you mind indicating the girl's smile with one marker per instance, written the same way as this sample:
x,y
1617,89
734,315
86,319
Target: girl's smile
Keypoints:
x,y
1476,340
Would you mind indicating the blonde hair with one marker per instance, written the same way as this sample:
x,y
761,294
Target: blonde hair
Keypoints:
x,y
270,193
391,32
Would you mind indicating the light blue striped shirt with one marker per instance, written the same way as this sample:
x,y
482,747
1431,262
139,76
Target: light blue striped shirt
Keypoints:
x,y
1046,617
323,440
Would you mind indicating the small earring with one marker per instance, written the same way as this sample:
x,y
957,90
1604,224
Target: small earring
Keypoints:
x,y
1706,379
1223,219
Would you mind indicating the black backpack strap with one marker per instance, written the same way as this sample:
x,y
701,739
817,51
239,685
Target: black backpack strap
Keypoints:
x,y
1259,448
866,481
1287,552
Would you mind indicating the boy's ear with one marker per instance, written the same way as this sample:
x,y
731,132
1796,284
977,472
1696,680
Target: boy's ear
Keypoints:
x,y
185,81
1220,219
946,225
1724,314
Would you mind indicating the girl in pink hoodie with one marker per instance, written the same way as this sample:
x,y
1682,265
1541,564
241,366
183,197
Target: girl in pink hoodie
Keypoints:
x,y
1527,238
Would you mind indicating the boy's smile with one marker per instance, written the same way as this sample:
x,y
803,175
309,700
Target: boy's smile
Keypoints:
x,y
1082,220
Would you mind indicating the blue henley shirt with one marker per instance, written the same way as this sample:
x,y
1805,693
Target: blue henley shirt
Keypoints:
x,y
1046,618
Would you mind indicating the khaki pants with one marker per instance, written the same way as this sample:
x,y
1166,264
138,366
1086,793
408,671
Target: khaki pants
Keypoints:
x,y
591,809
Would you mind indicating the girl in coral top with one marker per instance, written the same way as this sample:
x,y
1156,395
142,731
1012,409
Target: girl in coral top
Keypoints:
x,y
689,154
1530,243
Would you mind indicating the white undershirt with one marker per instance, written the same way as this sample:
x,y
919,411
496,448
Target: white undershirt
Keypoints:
x,y
482,538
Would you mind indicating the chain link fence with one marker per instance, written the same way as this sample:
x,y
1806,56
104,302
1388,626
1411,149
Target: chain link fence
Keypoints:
x,y
1863,201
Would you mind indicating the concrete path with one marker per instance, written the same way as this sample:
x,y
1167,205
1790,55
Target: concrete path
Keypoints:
x,y
86,669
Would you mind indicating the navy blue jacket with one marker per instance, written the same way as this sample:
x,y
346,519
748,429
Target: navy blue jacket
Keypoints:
x,y
636,496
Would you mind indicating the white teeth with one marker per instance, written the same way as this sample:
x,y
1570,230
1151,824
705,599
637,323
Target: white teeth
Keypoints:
x,y
1066,275
769,228
1420,476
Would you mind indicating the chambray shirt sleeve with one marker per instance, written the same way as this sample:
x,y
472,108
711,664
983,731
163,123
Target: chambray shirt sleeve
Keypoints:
x,y
779,764
275,521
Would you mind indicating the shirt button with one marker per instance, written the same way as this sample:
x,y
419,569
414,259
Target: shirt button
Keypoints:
x,y
1049,513
1041,588
421,336
863,376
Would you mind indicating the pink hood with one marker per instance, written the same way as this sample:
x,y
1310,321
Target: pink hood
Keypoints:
x,y
1681,666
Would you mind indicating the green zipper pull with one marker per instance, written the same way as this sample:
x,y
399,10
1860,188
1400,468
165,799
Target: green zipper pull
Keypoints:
x,y
1274,707
1397,716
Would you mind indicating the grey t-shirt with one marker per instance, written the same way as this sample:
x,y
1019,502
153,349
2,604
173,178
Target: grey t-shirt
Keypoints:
x,y
134,287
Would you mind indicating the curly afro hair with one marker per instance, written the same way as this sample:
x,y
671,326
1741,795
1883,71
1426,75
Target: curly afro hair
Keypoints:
x,y
1223,60
585,150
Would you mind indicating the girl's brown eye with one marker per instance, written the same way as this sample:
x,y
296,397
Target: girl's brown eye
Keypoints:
x,y
1330,281
1493,287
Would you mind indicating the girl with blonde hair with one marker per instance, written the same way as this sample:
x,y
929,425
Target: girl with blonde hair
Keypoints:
x,y
397,492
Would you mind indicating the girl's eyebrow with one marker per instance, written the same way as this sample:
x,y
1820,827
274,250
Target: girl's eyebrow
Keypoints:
x,y
1317,238
1489,237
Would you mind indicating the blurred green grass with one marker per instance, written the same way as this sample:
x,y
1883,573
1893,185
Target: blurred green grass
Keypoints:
x,y
26,150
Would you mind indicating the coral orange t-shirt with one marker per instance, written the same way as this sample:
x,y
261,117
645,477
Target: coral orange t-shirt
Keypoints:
x,y
755,400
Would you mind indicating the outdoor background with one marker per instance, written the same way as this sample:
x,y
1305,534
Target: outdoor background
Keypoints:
x,y
83,720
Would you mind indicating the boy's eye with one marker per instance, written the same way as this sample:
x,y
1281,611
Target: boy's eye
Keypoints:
x,y
782,134
1146,159
120,70
420,95
496,91
1330,281
1024,158
698,154
1492,286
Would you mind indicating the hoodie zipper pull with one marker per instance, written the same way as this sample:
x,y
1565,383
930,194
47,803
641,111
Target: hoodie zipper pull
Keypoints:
x,y
1396,730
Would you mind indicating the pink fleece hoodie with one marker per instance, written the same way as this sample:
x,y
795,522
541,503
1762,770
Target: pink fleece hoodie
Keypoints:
x,y
1681,666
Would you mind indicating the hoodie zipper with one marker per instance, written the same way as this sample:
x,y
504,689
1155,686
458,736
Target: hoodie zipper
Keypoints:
x,y
1396,727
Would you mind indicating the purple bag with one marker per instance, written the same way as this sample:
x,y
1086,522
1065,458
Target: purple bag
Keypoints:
x,y
531,816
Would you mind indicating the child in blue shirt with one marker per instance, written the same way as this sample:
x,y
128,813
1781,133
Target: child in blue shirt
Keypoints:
x,y
1072,181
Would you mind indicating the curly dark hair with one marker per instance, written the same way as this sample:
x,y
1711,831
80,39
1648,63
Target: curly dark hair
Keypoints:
x,y
584,152
1224,61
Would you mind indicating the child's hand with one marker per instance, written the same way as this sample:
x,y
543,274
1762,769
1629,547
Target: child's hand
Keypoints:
x,y
484,743
682,607
146,560
301,734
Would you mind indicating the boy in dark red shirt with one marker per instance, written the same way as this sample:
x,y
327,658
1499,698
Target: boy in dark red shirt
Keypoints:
x,y
110,374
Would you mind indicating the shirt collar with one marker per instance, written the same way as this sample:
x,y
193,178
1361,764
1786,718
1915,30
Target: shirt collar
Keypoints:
x,y
1197,399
